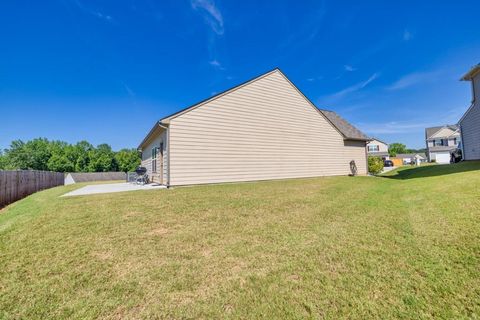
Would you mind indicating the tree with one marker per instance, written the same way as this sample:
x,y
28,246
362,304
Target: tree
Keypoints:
x,y
60,156
31,155
102,159
81,154
60,163
127,160
3,161
396,148
375,165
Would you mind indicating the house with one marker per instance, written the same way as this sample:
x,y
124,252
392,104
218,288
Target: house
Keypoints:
x,y
470,122
412,158
263,129
441,142
76,177
377,148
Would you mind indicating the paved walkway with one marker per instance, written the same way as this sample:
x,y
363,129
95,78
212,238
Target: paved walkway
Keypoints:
x,y
111,187
386,169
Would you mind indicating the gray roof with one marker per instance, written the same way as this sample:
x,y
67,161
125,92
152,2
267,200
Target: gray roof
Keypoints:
x,y
377,154
410,155
348,130
431,131
441,148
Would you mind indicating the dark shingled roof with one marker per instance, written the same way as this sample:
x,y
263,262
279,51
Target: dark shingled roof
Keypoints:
x,y
377,153
348,130
442,148
342,125
410,155
431,131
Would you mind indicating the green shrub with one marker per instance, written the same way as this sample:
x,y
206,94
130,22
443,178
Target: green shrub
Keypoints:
x,y
375,165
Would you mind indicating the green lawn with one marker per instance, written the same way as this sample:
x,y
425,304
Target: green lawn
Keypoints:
x,y
406,245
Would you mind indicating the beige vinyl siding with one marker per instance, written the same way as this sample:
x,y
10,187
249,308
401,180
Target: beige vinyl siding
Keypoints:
x,y
382,147
155,141
263,130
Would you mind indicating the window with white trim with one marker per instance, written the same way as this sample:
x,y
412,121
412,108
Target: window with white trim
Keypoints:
x,y
373,148
154,159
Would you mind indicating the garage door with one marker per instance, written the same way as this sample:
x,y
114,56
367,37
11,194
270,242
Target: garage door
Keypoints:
x,y
443,157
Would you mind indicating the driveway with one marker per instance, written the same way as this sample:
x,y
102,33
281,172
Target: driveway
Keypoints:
x,y
112,187
386,169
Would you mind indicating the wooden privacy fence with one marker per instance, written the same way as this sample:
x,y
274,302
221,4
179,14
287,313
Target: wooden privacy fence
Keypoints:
x,y
17,184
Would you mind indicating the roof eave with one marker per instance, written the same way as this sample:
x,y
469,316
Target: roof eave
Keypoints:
x,y
357,139
471,74
158,124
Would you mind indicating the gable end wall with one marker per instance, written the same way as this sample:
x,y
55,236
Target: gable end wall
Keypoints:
x,y
264,130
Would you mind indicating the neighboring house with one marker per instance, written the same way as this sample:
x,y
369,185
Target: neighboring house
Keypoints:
x,y
377,148
441,141
262,129
412,158
470,122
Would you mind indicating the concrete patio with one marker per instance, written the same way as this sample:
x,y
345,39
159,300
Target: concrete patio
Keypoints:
x,y
112,187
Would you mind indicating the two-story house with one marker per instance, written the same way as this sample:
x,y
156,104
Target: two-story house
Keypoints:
x,y
470,122
441,142
377,148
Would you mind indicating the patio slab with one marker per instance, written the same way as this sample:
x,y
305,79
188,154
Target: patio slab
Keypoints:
x,y
112,187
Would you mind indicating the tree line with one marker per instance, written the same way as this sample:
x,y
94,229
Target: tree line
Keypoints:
x,y
60,156
397,148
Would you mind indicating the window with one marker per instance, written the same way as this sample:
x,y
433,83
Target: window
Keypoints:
x,y
454,141
154,159
438,142
373,148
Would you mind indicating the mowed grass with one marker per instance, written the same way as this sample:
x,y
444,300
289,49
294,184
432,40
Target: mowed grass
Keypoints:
x,y
402,246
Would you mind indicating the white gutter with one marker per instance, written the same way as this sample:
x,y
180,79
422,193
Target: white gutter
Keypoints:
x,y
167,132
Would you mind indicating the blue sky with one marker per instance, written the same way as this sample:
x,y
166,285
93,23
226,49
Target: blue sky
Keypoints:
x,y
103,71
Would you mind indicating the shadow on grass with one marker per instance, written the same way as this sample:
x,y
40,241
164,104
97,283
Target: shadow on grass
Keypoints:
x,y
405,173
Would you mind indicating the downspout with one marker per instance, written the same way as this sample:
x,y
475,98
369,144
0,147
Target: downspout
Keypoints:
x,y
168,152
366,155
461,142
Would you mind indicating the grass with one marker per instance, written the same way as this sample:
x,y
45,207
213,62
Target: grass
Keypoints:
x,y
402,246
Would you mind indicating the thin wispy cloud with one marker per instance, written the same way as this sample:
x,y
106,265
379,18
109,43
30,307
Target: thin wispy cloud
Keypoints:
x,y
356,87
131,94
92,12
393,127
415,125
349,68
407,35
211,14
216,64
213,18
413,79
102,16
302,34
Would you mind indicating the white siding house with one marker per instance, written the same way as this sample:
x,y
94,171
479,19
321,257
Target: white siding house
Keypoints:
x,y
441,142
470,122
260,130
